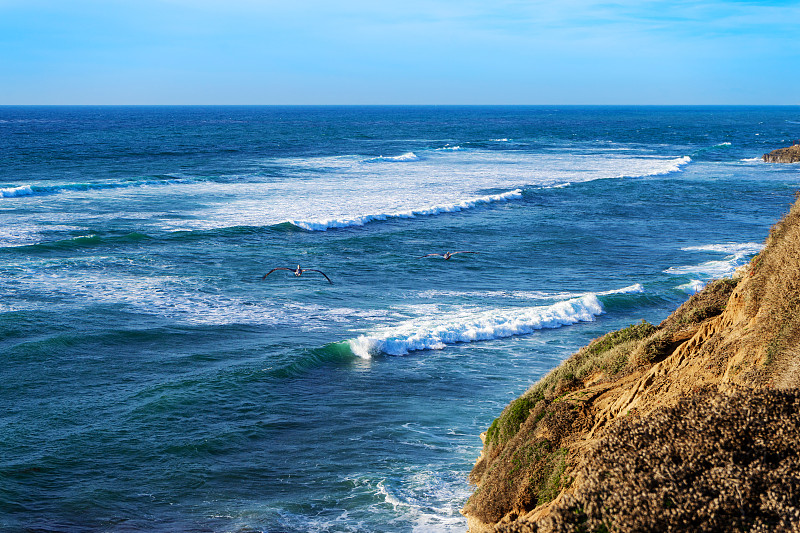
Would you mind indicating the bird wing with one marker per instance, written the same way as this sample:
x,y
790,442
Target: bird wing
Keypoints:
x,y
464,252
274,269
429,255
320,271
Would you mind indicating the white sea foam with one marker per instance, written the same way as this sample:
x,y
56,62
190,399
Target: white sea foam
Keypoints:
x,y
430,500
733,248
50,189
675,165
345,190
468,326
322,225
524,295
15,192
710,269
752,160
692,287
737,255
408,156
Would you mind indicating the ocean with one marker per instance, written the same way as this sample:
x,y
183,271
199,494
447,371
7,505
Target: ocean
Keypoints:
x,y
153,380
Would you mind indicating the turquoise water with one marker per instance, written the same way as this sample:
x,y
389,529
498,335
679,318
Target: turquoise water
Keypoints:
x,y
152,380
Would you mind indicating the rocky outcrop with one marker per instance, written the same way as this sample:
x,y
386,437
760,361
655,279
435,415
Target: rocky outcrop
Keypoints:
x,y
622,416
790,154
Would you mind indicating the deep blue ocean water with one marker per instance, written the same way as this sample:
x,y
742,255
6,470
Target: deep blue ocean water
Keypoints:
x,y
151,380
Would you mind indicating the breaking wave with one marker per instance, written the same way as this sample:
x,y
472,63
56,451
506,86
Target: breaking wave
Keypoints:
x,y
408,156
436,333
734,248
676,165
524,295
44,190
737,254
322,225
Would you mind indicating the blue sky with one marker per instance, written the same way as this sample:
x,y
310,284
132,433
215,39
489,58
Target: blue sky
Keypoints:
x,y
399,52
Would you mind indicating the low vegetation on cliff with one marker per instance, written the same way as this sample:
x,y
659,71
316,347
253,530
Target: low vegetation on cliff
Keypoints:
x,y
714,462
579,450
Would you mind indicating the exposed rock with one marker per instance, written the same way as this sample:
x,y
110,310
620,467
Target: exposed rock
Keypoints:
x,y
735,342
790,154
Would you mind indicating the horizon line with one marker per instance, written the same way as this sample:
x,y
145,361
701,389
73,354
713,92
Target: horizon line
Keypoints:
x,y
399,105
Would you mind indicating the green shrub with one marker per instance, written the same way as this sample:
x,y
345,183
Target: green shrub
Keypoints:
x,y
634,332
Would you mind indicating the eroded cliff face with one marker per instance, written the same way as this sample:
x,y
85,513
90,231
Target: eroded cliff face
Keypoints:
x,y
736,337
790,154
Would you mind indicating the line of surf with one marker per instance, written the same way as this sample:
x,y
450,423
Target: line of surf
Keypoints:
x,y
524,295
676,165
736,255
325,224
469,326
46,190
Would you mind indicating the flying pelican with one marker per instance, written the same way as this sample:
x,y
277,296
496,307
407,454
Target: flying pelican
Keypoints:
x,y
448,255
298,272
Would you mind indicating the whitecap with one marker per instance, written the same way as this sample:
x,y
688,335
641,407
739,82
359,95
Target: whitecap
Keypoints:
x,y
745,248
673,165
408,156
14,192
692,287
322,225
474,325
524,295
737,255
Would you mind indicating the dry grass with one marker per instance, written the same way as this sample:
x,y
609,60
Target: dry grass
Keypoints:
x,y
772,301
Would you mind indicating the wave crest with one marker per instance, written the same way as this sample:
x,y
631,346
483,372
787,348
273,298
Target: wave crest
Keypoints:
x,y
15,192
676,165
408,156
44,190
322,225
475,326
737,254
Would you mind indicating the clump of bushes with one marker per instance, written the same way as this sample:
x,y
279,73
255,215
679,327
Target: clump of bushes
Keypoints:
x,y
533,468
507,424
634,332
714,462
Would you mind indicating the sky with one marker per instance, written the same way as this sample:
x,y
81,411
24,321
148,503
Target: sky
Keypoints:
x,y
431,52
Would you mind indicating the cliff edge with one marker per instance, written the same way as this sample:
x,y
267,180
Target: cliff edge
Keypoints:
x,y
691,424
790,154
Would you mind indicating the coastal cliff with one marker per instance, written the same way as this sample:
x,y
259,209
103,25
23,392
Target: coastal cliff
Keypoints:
x,y
691,424
790,154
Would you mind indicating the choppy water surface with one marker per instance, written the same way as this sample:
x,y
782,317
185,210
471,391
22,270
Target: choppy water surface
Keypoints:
x,y
153,381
